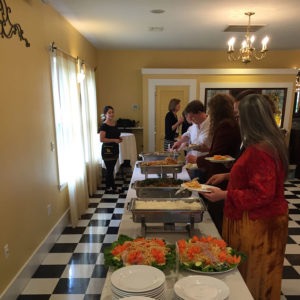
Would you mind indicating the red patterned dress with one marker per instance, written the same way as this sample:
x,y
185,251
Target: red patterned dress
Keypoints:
x,y
256,219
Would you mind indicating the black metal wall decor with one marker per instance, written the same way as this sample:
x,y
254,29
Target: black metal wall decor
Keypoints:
x,y
7,28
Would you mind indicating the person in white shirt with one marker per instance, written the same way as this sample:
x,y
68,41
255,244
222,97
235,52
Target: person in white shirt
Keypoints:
x,y
197,134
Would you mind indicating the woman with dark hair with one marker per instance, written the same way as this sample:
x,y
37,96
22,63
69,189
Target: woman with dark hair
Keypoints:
x,y
185,124
225,140
172,123
110,137
256,212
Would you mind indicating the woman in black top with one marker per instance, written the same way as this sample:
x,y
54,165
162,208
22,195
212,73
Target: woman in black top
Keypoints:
x,y
185,124
110,137
172,123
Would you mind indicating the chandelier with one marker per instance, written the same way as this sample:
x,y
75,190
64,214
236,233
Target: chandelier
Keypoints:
x,y
247,50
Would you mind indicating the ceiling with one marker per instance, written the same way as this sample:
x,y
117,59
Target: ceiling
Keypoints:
x,y
187,24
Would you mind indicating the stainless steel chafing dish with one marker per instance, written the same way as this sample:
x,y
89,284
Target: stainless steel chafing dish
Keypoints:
x,y
169,217
160,188
161,169
158,155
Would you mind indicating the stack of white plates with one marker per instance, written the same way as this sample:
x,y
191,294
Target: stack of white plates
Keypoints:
x,y
138,281
200,288
137,298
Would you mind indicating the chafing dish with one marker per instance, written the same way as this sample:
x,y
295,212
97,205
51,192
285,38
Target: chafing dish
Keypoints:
x,y
161,169
169,217
158,155
160,188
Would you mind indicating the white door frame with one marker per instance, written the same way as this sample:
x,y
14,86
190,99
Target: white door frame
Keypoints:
x,y
152,83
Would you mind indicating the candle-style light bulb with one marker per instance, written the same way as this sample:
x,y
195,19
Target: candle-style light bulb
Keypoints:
x,y
244,44
231,44
264,43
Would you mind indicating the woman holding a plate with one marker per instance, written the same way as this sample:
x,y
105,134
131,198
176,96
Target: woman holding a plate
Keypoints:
x,y
225,140
256,212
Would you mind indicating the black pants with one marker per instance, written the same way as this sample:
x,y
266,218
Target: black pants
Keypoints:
x,y
201,175
110,179
215,210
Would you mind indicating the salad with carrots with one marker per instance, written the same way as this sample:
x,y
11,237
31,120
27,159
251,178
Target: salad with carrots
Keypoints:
x,y
140,251
207,254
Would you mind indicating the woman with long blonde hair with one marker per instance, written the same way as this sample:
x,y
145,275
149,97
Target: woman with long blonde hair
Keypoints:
x,y
256,212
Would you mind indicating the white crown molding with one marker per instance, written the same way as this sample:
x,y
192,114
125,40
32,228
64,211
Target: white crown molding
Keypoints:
x,y
290,71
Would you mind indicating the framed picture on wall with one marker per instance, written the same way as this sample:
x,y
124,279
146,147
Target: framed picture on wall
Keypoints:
x,y
279,98
209,93
277,95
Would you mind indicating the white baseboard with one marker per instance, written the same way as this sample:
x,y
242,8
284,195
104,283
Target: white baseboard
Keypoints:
x,y
19,282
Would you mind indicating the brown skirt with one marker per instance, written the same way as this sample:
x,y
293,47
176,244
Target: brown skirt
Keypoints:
x,y
263,241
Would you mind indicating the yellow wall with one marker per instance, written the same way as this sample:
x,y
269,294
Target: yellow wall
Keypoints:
x,y
120,82
28,176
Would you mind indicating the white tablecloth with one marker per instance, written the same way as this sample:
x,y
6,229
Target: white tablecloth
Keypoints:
x,y
127,150
234,280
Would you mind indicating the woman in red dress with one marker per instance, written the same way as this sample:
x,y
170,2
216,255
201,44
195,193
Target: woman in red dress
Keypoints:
x,y
256,212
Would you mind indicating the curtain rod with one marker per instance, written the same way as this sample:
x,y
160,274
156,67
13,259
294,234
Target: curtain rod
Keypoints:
x,y
53,47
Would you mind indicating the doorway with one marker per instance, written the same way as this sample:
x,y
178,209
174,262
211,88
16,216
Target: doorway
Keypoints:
x,y
149,115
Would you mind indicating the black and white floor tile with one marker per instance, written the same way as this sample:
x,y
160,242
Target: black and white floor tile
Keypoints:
x,y
74,268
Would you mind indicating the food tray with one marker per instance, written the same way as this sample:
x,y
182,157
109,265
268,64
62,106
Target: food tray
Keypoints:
x,y
167,215
160,188
161,169
158,155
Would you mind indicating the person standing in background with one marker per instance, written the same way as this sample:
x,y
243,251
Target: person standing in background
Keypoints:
x,y
185,124
256,211
172,123
110,137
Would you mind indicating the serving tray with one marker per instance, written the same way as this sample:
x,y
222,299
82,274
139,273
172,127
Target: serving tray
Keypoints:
x,y
168,217
161,169
160,188
158,155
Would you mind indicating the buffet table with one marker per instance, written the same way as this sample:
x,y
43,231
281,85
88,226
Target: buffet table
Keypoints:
x,y
236,284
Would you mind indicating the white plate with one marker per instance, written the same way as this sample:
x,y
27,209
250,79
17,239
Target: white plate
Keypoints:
x,y
225,160
211,273
204,188
137,298
153,293
201,288
137,278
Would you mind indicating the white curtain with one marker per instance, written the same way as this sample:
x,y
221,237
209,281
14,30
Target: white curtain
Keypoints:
x,y
91,141
69,132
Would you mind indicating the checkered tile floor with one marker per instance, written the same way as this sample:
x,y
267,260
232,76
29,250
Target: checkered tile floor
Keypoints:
x,y
74,268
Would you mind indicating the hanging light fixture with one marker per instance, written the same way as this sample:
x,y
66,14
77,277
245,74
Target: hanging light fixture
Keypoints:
x,y
247,51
